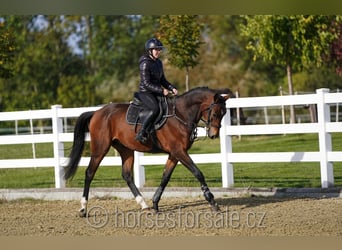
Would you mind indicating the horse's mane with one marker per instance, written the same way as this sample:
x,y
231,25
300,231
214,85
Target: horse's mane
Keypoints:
x,y
205,88
191,91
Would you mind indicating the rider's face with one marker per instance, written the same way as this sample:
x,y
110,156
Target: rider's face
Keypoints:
x,y
156,53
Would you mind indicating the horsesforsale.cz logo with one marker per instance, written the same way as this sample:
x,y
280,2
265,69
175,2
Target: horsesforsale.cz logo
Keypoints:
x,y
99,217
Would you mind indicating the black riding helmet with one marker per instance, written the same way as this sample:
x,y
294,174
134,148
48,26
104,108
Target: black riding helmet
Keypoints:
x,y
153,43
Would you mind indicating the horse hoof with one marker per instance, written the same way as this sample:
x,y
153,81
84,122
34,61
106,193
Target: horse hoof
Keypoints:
x,y
82,213
149,211
215,209
146,209
155,211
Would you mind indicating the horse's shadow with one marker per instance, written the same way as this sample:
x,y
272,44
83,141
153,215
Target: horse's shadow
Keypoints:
x,y
242,202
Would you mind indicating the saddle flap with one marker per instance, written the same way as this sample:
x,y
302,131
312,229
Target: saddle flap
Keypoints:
x,y
135,114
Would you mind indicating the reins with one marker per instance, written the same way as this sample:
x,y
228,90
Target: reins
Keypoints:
x,y
175,115
193,126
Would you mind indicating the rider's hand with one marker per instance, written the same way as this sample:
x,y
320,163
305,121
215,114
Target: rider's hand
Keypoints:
x,y
165,92
175,91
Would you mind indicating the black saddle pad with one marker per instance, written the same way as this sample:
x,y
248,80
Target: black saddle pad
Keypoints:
x,y
135,110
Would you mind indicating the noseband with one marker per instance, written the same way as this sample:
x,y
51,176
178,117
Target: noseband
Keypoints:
x,y
208,122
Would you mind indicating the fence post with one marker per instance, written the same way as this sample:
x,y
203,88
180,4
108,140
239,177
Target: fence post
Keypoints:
x,y
337,108
323,114
58,147
226,147
139,170
282,108
33,144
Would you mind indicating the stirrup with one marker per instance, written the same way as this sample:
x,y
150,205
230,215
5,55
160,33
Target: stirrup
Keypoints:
x,y
141,136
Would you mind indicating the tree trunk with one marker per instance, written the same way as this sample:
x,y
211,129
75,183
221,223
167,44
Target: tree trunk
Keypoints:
x,y
187,79
289,82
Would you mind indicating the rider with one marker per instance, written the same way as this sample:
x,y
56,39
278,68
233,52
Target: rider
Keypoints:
x,y
152,84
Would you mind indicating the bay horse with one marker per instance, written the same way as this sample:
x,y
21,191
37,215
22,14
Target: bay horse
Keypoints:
x,y
108,127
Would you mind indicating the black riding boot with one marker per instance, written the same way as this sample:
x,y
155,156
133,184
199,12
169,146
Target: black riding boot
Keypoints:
x,y
142,136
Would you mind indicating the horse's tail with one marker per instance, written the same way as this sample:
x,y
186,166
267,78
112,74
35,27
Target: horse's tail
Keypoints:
x,y
80,130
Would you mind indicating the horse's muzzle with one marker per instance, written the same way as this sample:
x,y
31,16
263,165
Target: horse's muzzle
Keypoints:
x,y
213,133
213,136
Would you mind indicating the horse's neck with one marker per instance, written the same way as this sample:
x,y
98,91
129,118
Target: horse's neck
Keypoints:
x,y
190,107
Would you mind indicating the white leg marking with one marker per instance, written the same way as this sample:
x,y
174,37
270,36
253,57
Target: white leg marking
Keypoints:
x,y
84,204
140,200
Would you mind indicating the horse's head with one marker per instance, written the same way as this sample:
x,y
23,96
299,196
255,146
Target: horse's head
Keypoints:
x,y
202,103
213,115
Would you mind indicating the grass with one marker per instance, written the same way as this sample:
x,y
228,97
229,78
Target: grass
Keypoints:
x,y
245,174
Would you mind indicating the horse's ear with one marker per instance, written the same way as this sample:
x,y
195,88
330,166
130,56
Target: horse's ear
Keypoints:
x,y
225,96
219,97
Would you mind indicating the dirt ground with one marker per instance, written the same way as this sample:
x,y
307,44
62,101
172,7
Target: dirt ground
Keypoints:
x,y
239,216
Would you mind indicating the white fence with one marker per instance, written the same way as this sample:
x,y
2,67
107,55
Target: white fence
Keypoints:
x,y
226,157
324,127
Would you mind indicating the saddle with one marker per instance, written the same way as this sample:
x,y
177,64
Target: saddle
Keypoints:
x,y
135,113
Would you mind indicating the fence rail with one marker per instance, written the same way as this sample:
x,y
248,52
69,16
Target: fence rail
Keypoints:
x,y
324,127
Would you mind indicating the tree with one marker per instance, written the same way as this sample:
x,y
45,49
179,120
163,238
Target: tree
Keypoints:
x,y
295,42
7,50
42,61
47,69
111,47
182,36
225,60
336,49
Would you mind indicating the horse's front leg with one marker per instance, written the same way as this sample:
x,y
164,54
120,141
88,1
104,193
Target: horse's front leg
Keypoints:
x,y
127,157
169,167
128,177
189,164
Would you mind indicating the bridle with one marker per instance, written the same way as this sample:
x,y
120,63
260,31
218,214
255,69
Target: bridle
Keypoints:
x,y
209,110
193,126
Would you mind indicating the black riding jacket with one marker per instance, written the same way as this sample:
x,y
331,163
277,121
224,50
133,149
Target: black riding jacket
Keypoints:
x,y
152,76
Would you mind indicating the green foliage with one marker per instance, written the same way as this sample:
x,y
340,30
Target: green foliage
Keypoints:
x,y
224,35
7,50
40,66
182,36
40,62
297,40
47,70
309,81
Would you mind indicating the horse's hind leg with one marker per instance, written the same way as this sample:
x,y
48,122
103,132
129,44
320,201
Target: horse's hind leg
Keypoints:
x,y
127,157
89,176
98,152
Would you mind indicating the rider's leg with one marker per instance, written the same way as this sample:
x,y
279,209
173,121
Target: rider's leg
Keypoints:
x,y
143,133
152,107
